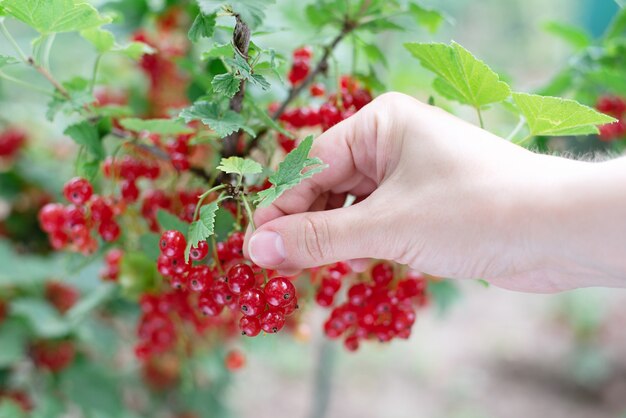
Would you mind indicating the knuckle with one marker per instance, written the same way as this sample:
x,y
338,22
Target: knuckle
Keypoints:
x,y
316,238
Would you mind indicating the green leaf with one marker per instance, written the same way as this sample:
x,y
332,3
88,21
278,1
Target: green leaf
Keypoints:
x,y
86,135
168,221
7,60
201,229
87,304
157,126
55,16
553,116
223,122
260,81
224,224
218,50
226,84
78,89
574,36
149,244
102,40
430,19
611,79
11,409
14,338
203,27
461,76
134,50
290,172
43,318
251,11
241,166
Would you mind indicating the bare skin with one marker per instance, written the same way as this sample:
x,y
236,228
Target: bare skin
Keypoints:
x,y
449,199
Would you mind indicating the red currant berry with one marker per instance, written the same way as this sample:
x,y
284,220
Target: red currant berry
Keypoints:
x,y
172,243
249,326
200,251
382,274
61,296
240,278
100,209
317,90
109,231
78,190
305,52
52,217
272,322
208,306
351,343
279,291
234,360
252,302
130,192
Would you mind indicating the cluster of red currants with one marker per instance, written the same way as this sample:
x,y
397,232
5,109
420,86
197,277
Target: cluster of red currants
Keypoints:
x,y
264,303
383,309
11,142
53,355
72,224
301,66
616,107
130,170
337,107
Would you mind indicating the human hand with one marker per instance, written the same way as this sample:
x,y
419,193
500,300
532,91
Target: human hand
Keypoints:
x,y
433,192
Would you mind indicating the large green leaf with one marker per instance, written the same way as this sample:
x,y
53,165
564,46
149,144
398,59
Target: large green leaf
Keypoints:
x,y
461,76
226,84
103,40
169,221
223,122
291,172
54,16
552,116
203,27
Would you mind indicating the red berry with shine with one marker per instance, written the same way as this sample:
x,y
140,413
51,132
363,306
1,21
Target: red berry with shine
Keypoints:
x,y
172,243
234,360
279,291
200,251
240,278
252,302
272,321
52,217
382,274
78,190
249,326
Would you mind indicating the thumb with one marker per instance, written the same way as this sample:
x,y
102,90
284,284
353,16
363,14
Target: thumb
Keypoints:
x,y
313,239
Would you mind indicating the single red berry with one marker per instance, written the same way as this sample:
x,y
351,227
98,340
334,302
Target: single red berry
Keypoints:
x,y
252,302
240,278
272,322
249,326
317,90
351,343
101,210
130,192
299,71
358,294
324,299
222,294
53,355
235,244
305,52
200,251
11,141
172,243
208,306
78,190
62,296
109,231
382,274
279,291
52,217
234,360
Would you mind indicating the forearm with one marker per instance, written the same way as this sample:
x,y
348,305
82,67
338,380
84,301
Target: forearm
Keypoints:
x,y
585,221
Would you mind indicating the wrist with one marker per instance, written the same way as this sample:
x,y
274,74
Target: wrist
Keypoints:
x,y
578,227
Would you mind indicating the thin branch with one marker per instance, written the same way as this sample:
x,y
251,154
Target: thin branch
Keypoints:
x,y
44,72
295,91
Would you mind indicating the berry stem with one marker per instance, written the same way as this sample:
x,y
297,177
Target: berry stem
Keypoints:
x,y
248,211
518,127
27,85
10,38
204,196
480,118
94,75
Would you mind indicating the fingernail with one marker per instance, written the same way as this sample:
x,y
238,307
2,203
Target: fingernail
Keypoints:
x,y
266,249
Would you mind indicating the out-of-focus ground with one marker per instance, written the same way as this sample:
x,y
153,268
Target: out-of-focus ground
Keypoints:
x,y
496,354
